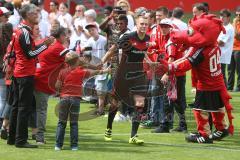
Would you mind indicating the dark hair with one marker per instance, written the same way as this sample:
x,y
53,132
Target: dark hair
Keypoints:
x,y
170,14
27,9
163,9
123,17
152,14
9,6
109,8
206,5
200,7
226,12
36,2
55,2
57,32
238,9
178,12
65,4
2,2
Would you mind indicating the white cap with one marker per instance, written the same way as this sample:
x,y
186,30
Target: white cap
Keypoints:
x,y
166,21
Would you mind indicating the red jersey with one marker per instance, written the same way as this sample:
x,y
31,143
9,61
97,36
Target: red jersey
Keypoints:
x,y
48,60
173,51
208,73
164,47
26,51
156,37
72,81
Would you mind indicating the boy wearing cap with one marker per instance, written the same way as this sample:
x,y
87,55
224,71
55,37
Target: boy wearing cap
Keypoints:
x,y
69,85
171,53
4,14
98,44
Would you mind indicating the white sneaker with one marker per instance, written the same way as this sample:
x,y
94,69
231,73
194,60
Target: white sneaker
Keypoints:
x,y
86,98
74,148
119,117
57,148
41,143
128,118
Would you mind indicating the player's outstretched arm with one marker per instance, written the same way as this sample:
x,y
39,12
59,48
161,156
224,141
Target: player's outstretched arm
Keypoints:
x,y
109,54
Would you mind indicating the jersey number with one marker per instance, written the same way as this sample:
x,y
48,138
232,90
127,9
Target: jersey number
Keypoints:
x,y
214,61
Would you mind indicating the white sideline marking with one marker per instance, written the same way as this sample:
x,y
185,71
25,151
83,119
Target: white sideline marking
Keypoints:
x,y
187,145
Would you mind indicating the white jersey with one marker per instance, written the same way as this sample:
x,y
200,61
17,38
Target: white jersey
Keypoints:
x,y
98,51
227,39
131,22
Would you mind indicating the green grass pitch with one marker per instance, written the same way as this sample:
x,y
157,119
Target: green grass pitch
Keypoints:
x,y
92,146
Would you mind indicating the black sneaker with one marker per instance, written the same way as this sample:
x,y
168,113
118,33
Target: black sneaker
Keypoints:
x,y
218,135
10,142
33,136
197,138
26,145
4,134
161,129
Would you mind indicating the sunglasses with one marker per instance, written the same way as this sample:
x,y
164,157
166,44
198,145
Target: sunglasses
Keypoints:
x,y
78,10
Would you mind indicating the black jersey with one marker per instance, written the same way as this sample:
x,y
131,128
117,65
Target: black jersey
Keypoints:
x,y
130,77
133,53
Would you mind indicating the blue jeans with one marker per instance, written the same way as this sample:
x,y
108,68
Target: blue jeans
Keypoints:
x,y
3,97
68,106
156,103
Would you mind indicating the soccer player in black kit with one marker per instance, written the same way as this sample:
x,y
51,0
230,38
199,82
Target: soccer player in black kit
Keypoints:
x,y
130,83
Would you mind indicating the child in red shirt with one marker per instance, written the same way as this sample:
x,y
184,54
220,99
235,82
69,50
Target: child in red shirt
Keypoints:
x,y
69,85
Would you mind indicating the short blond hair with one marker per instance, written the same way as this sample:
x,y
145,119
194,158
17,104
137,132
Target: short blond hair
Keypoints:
x,y
71,58
124,1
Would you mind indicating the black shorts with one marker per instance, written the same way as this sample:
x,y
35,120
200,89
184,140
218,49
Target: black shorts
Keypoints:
x,y
125,88
208,101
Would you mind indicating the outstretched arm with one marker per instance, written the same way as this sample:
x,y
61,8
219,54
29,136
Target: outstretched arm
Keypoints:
x,y
82,62
184,64
109,54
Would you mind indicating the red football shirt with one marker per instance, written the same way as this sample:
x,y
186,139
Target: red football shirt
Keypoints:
x,y
72,81
48,60
172,50
208,73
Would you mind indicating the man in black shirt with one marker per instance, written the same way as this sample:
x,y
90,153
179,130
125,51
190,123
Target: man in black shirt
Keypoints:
x,y
129,84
